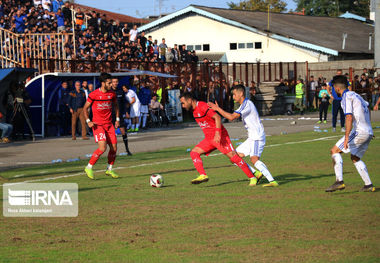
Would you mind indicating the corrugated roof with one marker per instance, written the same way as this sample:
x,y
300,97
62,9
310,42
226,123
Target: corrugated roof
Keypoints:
x,y
324,34
111,15
322,31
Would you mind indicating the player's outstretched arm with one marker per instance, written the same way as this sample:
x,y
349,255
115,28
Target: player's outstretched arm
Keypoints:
x,y
227,115
348,129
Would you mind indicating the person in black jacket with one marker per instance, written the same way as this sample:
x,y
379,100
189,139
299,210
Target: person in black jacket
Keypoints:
x,y
64,110
77,99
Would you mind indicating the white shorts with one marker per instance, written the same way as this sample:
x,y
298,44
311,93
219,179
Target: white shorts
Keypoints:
x,y
357,143
144,109
135,110
251,147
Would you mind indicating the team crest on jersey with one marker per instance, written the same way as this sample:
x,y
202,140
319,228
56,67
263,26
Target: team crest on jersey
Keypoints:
x,y
204,124
199,115
104,106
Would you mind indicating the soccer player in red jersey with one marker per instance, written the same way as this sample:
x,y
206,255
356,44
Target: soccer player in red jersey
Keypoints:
x,y
101,101
216,137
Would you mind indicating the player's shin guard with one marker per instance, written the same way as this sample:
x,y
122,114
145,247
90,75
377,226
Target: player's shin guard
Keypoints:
x,y
362,170
196,157
111,157
264,170
95,156
338,166
125,140
236,159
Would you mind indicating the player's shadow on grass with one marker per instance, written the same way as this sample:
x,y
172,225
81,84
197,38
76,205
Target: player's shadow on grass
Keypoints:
x,y
228,182
290,178
182,170
281,179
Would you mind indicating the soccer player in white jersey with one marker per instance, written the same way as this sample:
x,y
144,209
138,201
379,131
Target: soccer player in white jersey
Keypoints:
x,y
134,101
255,143
357,138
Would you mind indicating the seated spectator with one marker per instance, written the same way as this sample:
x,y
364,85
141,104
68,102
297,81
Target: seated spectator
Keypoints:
x,y
6,129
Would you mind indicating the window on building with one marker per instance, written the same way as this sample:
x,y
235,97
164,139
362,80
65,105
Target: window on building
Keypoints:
x,y
241,45
190,47
233,46
206,47
258,45
249,45
198,47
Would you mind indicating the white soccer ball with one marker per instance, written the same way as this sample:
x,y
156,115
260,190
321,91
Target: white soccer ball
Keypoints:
x,y
156,180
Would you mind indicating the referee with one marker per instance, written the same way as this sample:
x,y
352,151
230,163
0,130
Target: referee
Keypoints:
x,y
122,108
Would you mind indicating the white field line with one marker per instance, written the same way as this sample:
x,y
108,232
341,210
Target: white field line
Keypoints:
x,y
164,162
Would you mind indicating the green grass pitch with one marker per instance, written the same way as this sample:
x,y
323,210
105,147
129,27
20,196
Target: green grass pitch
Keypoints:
x,y
224,220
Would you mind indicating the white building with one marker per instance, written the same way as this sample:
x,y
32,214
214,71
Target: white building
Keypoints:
x,y
246,36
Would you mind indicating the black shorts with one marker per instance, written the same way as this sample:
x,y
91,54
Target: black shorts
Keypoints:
x,y
122,123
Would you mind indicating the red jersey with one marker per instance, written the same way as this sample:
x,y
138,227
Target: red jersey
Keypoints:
x,y
102,106
203,116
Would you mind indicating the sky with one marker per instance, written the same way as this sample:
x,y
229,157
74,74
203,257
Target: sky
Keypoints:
x,y
143,8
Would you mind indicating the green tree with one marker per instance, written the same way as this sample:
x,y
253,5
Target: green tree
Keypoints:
x,y
333,7
259,5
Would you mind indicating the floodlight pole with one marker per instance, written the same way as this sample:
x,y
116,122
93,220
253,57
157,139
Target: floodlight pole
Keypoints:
x,y
377,34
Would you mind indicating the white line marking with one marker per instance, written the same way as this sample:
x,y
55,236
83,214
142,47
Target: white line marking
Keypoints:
x,y
18,175
164,162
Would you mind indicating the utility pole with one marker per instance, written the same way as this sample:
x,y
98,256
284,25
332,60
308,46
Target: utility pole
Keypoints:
x,y
377,34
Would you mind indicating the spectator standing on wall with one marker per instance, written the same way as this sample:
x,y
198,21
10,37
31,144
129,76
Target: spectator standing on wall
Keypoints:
x,y
163,47
133,34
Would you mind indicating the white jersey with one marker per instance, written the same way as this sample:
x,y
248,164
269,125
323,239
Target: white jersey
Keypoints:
x,y
251,120
355,105
130,95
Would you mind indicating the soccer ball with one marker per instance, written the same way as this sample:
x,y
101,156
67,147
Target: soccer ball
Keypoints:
x,y
156,180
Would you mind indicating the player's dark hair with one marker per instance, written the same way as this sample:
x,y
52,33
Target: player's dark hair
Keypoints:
x,y
104,76
187,95
239,87
340,79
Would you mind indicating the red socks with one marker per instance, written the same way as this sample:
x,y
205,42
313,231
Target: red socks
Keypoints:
x,y
196,157
95,156
236,159
111,157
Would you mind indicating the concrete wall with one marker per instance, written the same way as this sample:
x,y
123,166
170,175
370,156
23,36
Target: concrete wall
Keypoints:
x,y
199,30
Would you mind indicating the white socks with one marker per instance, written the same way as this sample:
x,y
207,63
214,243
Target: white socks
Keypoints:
x,y
264,170
362,170
145,116
109,167
338,166
89,166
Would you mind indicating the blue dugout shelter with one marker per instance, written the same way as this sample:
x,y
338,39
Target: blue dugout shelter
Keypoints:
x,y
44,91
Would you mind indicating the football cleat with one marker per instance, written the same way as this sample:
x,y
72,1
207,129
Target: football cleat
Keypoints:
x,y
324,122
319,122
200,179
112,174
258,175
368,188
253,181
338,185
90,173
271,184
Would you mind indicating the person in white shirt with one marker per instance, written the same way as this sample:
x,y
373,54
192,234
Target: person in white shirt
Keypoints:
x,y
134,101
255,143
357,137
133,34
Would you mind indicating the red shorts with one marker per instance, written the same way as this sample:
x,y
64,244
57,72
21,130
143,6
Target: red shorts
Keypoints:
x,y
209,145
105,132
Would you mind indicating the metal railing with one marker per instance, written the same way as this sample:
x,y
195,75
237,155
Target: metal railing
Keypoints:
x,y
17,49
